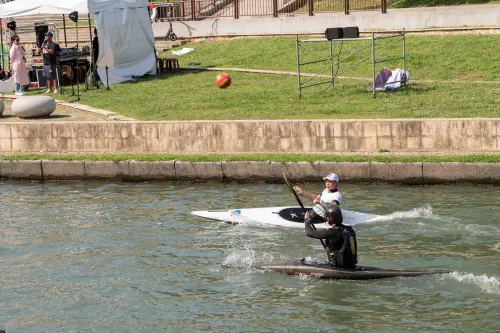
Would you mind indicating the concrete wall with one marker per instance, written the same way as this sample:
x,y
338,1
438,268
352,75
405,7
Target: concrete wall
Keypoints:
x,y
263,136
395,19
405,173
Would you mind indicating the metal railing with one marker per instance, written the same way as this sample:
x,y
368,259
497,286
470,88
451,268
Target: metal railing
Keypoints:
x,y
202,9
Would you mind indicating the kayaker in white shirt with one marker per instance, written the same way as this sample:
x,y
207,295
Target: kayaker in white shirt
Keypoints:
x,y
330,194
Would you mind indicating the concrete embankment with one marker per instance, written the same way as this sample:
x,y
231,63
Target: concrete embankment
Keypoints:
x,y
250,136
405,173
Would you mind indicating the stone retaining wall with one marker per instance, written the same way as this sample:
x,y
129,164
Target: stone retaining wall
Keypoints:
x,y
405,173
248,136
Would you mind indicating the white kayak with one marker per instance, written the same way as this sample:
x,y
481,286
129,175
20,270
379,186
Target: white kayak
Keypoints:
x,y
290,217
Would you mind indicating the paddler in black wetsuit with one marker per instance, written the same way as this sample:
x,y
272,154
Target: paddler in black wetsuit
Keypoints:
x,y
340,239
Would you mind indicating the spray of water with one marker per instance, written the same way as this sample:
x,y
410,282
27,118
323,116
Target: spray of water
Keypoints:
x,y
490,285
425,211
240,257
244,256
427,220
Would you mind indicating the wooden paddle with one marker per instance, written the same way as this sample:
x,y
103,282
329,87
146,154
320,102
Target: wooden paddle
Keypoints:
x,y
290,187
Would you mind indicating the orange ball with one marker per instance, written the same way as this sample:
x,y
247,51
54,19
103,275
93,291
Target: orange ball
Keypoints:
x,y
223,80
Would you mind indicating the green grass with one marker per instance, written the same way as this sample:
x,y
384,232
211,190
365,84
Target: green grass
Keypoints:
x,y
433,3
472,158
428,57
192,95
338,6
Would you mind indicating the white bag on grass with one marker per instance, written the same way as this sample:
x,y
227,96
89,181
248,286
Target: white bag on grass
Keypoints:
x,y
390,80
185,50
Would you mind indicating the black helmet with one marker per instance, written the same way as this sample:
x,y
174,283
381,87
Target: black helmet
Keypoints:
x,y
333,214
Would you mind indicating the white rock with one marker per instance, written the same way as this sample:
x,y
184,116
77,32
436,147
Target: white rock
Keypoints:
x,y
33,106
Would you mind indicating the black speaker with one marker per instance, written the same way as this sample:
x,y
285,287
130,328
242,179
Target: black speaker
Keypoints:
x,y
350,32
333,33
73,16
40,30
12,25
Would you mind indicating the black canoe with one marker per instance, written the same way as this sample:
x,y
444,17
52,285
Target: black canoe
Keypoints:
x,y
325,271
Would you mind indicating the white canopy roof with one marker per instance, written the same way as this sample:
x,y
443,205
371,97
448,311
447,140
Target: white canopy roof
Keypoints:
x,y
35,7
101,5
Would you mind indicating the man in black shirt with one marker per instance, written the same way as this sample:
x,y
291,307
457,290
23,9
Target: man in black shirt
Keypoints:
x,y
340,239
49,49
95,50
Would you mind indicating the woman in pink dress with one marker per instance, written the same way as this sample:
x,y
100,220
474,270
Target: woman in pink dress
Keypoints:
x,y
18,65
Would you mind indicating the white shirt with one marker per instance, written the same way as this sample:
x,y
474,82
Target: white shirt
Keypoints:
x,y
329,197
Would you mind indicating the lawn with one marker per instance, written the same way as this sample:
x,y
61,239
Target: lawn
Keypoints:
x,y
338,6
192,95
433,3
460,57
470,158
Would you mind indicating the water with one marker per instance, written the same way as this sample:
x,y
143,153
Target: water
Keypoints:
x,y
96,257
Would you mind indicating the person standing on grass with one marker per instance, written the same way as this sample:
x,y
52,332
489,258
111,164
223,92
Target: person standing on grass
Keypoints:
x,y
49,49
95,50
18,65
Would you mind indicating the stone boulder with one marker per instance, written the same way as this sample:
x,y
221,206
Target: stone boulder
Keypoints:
x,y
2,108
33,106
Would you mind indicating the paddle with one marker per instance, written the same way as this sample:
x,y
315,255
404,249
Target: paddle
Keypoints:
x,y
290,187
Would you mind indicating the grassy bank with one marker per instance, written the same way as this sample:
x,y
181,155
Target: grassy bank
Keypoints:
x,y
456,57
471,158
338,6
194,96
434,3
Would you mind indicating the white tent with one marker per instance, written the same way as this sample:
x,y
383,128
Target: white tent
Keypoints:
x,y
126,40
35,7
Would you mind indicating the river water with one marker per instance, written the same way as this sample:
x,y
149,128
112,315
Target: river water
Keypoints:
x,y
127,257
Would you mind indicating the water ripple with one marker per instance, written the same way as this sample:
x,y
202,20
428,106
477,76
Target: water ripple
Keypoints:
x,y
126,257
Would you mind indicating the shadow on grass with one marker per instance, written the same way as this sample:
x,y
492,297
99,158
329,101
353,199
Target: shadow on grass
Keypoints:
x,y
410,89
417,88
199,64
56,116
160,77
5,116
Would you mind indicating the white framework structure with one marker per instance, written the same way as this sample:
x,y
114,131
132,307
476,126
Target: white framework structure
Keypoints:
x,y
332,63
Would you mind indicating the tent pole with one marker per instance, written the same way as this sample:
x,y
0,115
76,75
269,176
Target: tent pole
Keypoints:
x,y
64,27
77,62
94,79
1,44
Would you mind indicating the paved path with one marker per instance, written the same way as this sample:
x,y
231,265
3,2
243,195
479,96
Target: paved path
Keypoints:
x,y
65,112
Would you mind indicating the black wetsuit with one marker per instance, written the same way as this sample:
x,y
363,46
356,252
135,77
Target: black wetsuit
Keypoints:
x,y
95,49
340,241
